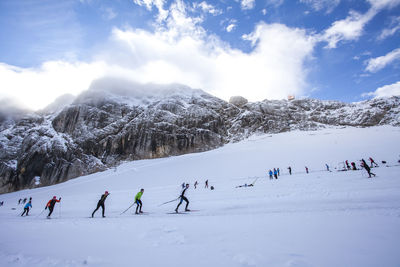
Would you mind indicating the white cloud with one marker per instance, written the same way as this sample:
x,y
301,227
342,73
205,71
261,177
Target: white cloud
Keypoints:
x,y
349,29
264,11
230,27
178,51
380,4
378,63
318,5
247,4
208,8
385,91
159,4
394,27
352,27
36,88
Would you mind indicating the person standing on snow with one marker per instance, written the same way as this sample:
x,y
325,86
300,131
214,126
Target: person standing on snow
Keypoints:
x,y
138,201
51,204
306,169
373,162
101,204
206,186
353,164
26,208
290,170
195,184
347,165
275,173
367,168
327,167
270,175
183,198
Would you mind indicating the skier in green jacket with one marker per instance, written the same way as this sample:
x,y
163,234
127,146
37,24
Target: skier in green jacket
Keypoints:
x,y
138,201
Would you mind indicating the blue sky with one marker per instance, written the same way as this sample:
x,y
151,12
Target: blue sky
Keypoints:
x,y
347,50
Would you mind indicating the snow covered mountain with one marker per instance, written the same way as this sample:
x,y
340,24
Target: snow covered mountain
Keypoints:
x,y
117,121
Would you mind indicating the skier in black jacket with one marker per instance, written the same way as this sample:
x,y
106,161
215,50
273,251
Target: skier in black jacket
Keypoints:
x,y
101,203
367,168
183,198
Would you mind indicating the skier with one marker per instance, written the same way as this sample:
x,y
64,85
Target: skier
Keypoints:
x,y
26,208
51,204
347,165
275,173
19,201
279,172
367,168
290,170
306,169
138,201
195,185
2,203
24,201
245,185
101,204
206,186
270,175
183,185
353,164
327,167
373,162
183,198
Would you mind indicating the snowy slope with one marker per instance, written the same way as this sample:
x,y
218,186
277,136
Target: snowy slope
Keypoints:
x,y
316,219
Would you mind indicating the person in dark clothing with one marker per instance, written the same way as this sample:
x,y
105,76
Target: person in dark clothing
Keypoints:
x,y
101,204
347,165
353,164
195,184
19,201
290,170
24,201
279,172
367,168
245,185
183,198
26,208
51,204
275,173
206,186
306,169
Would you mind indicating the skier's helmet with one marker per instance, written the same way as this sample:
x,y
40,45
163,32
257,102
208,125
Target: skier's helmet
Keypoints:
x,y
54,197
106,192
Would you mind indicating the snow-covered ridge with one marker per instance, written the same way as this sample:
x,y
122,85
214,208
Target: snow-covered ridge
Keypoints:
x,y
118,121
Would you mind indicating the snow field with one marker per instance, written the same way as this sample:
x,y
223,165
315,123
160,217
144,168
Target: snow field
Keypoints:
x,y
316,219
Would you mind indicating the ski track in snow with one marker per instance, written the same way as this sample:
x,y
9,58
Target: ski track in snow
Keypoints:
x,y
300,220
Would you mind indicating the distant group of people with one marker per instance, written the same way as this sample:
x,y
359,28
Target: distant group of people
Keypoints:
x,y
196,184
274,173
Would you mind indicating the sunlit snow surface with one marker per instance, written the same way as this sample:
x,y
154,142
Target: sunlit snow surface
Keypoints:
x,y
317,219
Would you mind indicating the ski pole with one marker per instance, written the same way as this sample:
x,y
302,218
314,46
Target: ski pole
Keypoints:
x,y
40,213
168,202
127,208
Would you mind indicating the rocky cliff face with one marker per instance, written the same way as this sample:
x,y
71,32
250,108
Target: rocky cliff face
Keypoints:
x,y
100,129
